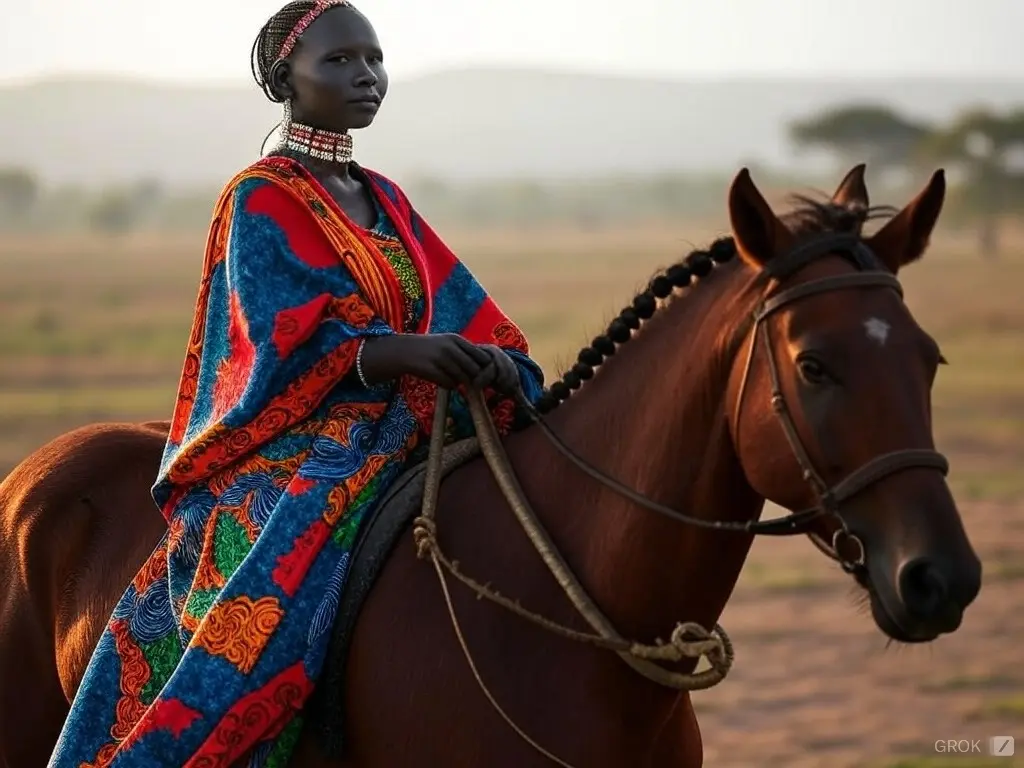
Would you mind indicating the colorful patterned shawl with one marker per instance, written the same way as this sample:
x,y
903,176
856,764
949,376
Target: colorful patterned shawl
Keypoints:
x,y
276,454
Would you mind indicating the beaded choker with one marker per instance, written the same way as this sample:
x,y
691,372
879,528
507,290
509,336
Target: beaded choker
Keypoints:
x,y
323,145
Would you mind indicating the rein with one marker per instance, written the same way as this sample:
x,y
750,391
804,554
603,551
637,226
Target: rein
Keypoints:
x,y
688,640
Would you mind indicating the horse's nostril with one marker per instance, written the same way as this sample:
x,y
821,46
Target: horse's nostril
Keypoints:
x,y
923,587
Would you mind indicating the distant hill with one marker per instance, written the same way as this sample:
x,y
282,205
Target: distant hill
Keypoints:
x,y
469,124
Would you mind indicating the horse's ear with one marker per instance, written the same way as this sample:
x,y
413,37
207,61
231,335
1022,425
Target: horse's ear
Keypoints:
x,y
757,231
904,238
852,192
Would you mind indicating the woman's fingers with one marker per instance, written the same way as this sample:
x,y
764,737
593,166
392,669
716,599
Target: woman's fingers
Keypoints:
x,y
487,376
508,376
477,352
463,365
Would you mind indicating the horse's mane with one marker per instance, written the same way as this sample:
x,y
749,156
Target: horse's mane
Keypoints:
x,y
808,216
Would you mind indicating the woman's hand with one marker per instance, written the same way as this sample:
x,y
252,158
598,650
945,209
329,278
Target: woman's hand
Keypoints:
x,y
446,359
502,373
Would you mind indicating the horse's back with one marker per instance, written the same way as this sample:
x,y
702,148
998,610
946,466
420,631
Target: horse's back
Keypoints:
x,y
76,523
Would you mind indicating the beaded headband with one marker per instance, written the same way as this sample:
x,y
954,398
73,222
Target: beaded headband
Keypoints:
x,y
302,24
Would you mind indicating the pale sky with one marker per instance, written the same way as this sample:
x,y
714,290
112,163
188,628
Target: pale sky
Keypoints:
x,y
193,40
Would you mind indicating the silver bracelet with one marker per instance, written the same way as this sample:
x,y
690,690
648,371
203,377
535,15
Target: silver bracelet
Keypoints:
x,y
359,364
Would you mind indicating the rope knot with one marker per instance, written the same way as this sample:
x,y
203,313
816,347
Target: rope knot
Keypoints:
x,y
424,535
688,641
693,641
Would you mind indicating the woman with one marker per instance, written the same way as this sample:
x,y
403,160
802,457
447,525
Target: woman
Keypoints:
x,y
328,312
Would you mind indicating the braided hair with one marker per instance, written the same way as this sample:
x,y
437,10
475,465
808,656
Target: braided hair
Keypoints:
x,y
268,43
284,28
620,330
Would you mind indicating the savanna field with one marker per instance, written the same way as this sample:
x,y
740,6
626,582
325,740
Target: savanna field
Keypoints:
x,y
94,329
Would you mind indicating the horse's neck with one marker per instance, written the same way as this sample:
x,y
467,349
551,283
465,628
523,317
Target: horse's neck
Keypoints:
x,y
654,419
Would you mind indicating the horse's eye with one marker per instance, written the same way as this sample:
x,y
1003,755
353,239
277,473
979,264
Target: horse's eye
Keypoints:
x,y
812,370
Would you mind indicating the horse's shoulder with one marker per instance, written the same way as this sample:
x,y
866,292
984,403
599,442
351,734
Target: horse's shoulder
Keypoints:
x,y
62,465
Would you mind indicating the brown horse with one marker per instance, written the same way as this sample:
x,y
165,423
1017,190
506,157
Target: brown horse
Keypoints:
x,y
793,373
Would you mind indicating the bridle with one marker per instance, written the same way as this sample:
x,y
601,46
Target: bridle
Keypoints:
x,y
688,641
829,499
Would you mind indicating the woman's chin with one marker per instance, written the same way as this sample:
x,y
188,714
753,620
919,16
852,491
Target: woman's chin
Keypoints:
x,y
356,119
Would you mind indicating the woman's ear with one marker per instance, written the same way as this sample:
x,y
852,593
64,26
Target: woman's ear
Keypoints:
x,y
280,80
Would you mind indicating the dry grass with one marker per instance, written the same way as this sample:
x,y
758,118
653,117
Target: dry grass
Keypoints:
x,y
94,330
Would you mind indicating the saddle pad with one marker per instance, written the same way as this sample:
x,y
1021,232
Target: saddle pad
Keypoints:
x,y
325,711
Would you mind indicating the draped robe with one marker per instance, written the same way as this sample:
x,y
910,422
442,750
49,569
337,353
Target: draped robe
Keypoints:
x,y
276,455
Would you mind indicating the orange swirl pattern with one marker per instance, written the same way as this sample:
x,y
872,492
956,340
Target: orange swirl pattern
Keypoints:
x,y
239,629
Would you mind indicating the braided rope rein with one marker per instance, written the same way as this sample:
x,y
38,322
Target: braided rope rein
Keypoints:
x,y
687,641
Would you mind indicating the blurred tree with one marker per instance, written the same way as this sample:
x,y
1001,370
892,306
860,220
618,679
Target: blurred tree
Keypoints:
x,y
114,212
149,193
863,133
987,151
19,193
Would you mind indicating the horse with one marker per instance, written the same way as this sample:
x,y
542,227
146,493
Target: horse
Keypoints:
x,y
781,365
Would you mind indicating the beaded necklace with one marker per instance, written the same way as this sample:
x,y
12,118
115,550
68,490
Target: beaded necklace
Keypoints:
x,y
323,145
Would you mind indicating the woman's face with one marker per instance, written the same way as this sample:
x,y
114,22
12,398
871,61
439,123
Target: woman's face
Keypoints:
x,y
335,75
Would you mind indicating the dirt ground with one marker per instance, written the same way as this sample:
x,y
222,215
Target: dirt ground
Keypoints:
x,y
814,684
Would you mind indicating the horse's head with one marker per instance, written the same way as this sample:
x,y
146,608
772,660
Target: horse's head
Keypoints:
x,y
849,374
